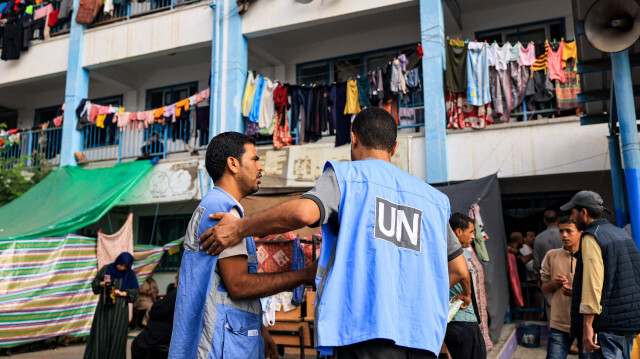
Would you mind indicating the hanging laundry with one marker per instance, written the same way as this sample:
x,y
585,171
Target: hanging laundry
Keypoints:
x,y
386,84
398,86
555,64
170,113
364,88
204,94
377,87
267,108
122,119
338,101
477,277
254,115
109,246
460,114
353,103
249,92
514,51
87,11
570,51
281,133
541,50
456,70
501,54
491,53
182,105
53,17
402,59
413,79
567,92
192,100
57,121
102,114
478,85
296,105
501,91
480,235
393,108
520,77
527,55
202,124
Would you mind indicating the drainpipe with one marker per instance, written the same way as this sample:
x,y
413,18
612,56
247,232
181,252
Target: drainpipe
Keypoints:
x,y
628,136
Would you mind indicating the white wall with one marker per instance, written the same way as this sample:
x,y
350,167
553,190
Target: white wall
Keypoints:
x,y
44,58
267,17
147,35
524,149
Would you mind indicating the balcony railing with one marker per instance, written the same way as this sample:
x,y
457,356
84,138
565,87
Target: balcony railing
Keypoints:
x,y
113,143
35,147
131,9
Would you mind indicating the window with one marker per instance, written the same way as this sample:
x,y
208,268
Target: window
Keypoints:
x,y
95,136
9,117
164,96
537,31
46,114
315,73
167,229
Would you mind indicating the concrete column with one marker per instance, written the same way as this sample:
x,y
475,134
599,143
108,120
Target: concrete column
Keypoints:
x,y
228,68
77,88
433,64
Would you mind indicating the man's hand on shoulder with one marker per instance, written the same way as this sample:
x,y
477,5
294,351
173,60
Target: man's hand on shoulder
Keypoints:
x,y
222,236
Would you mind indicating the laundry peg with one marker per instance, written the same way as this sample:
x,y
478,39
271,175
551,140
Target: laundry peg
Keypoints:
x,y
554,41
561,39
476,40
495,42
466,41
457,39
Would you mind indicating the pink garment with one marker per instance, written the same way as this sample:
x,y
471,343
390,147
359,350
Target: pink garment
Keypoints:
x,y
95,109
122,119
170,112
527,55
43,12
150,118
205,93
142,120
58,121
103,110
554,64
110,246
477,276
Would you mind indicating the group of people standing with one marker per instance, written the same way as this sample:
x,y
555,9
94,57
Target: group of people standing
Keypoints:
x,y
589,273
392,260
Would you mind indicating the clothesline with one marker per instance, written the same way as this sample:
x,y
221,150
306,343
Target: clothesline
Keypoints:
x,y
89,113
562,39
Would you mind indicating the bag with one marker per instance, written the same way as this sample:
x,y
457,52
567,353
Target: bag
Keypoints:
x,y
109,294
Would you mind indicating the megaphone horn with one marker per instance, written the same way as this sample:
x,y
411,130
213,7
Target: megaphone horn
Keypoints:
x,y
612,25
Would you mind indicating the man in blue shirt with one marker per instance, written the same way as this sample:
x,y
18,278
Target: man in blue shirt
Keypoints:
x,y
388,255
218,312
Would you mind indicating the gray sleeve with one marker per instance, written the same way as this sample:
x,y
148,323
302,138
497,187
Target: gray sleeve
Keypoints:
x,y
326,194
454,249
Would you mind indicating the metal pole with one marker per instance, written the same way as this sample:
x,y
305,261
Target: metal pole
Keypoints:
x,y
617,180
628,135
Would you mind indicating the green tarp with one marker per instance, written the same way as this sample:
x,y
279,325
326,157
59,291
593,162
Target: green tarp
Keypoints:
x,y
68,199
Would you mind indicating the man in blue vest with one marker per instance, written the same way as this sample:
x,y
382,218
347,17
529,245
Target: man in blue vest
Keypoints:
x,y
605,305
218,312
382,279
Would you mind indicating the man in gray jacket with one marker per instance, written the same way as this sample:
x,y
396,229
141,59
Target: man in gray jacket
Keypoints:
x,y
545,241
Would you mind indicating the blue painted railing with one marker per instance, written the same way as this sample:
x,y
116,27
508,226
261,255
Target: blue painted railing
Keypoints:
x,y
127,10
34,147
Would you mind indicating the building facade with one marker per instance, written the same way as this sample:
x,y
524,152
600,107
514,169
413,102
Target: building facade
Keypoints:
x,y
155,53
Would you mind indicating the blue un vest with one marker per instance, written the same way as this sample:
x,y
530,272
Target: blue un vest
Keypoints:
x,y
207,322
384,275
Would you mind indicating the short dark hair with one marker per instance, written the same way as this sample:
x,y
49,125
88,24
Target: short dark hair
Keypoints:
x,y
459,221
594,213
566,220
221,147
550,216
376,129
515,236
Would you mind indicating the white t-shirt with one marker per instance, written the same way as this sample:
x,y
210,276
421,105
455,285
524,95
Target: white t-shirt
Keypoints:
x,y
525,251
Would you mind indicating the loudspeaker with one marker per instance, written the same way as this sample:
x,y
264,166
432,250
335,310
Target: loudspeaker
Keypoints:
x,y
612,25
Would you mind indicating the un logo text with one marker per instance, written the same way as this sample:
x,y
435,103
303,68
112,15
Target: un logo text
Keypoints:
x,y
398,224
